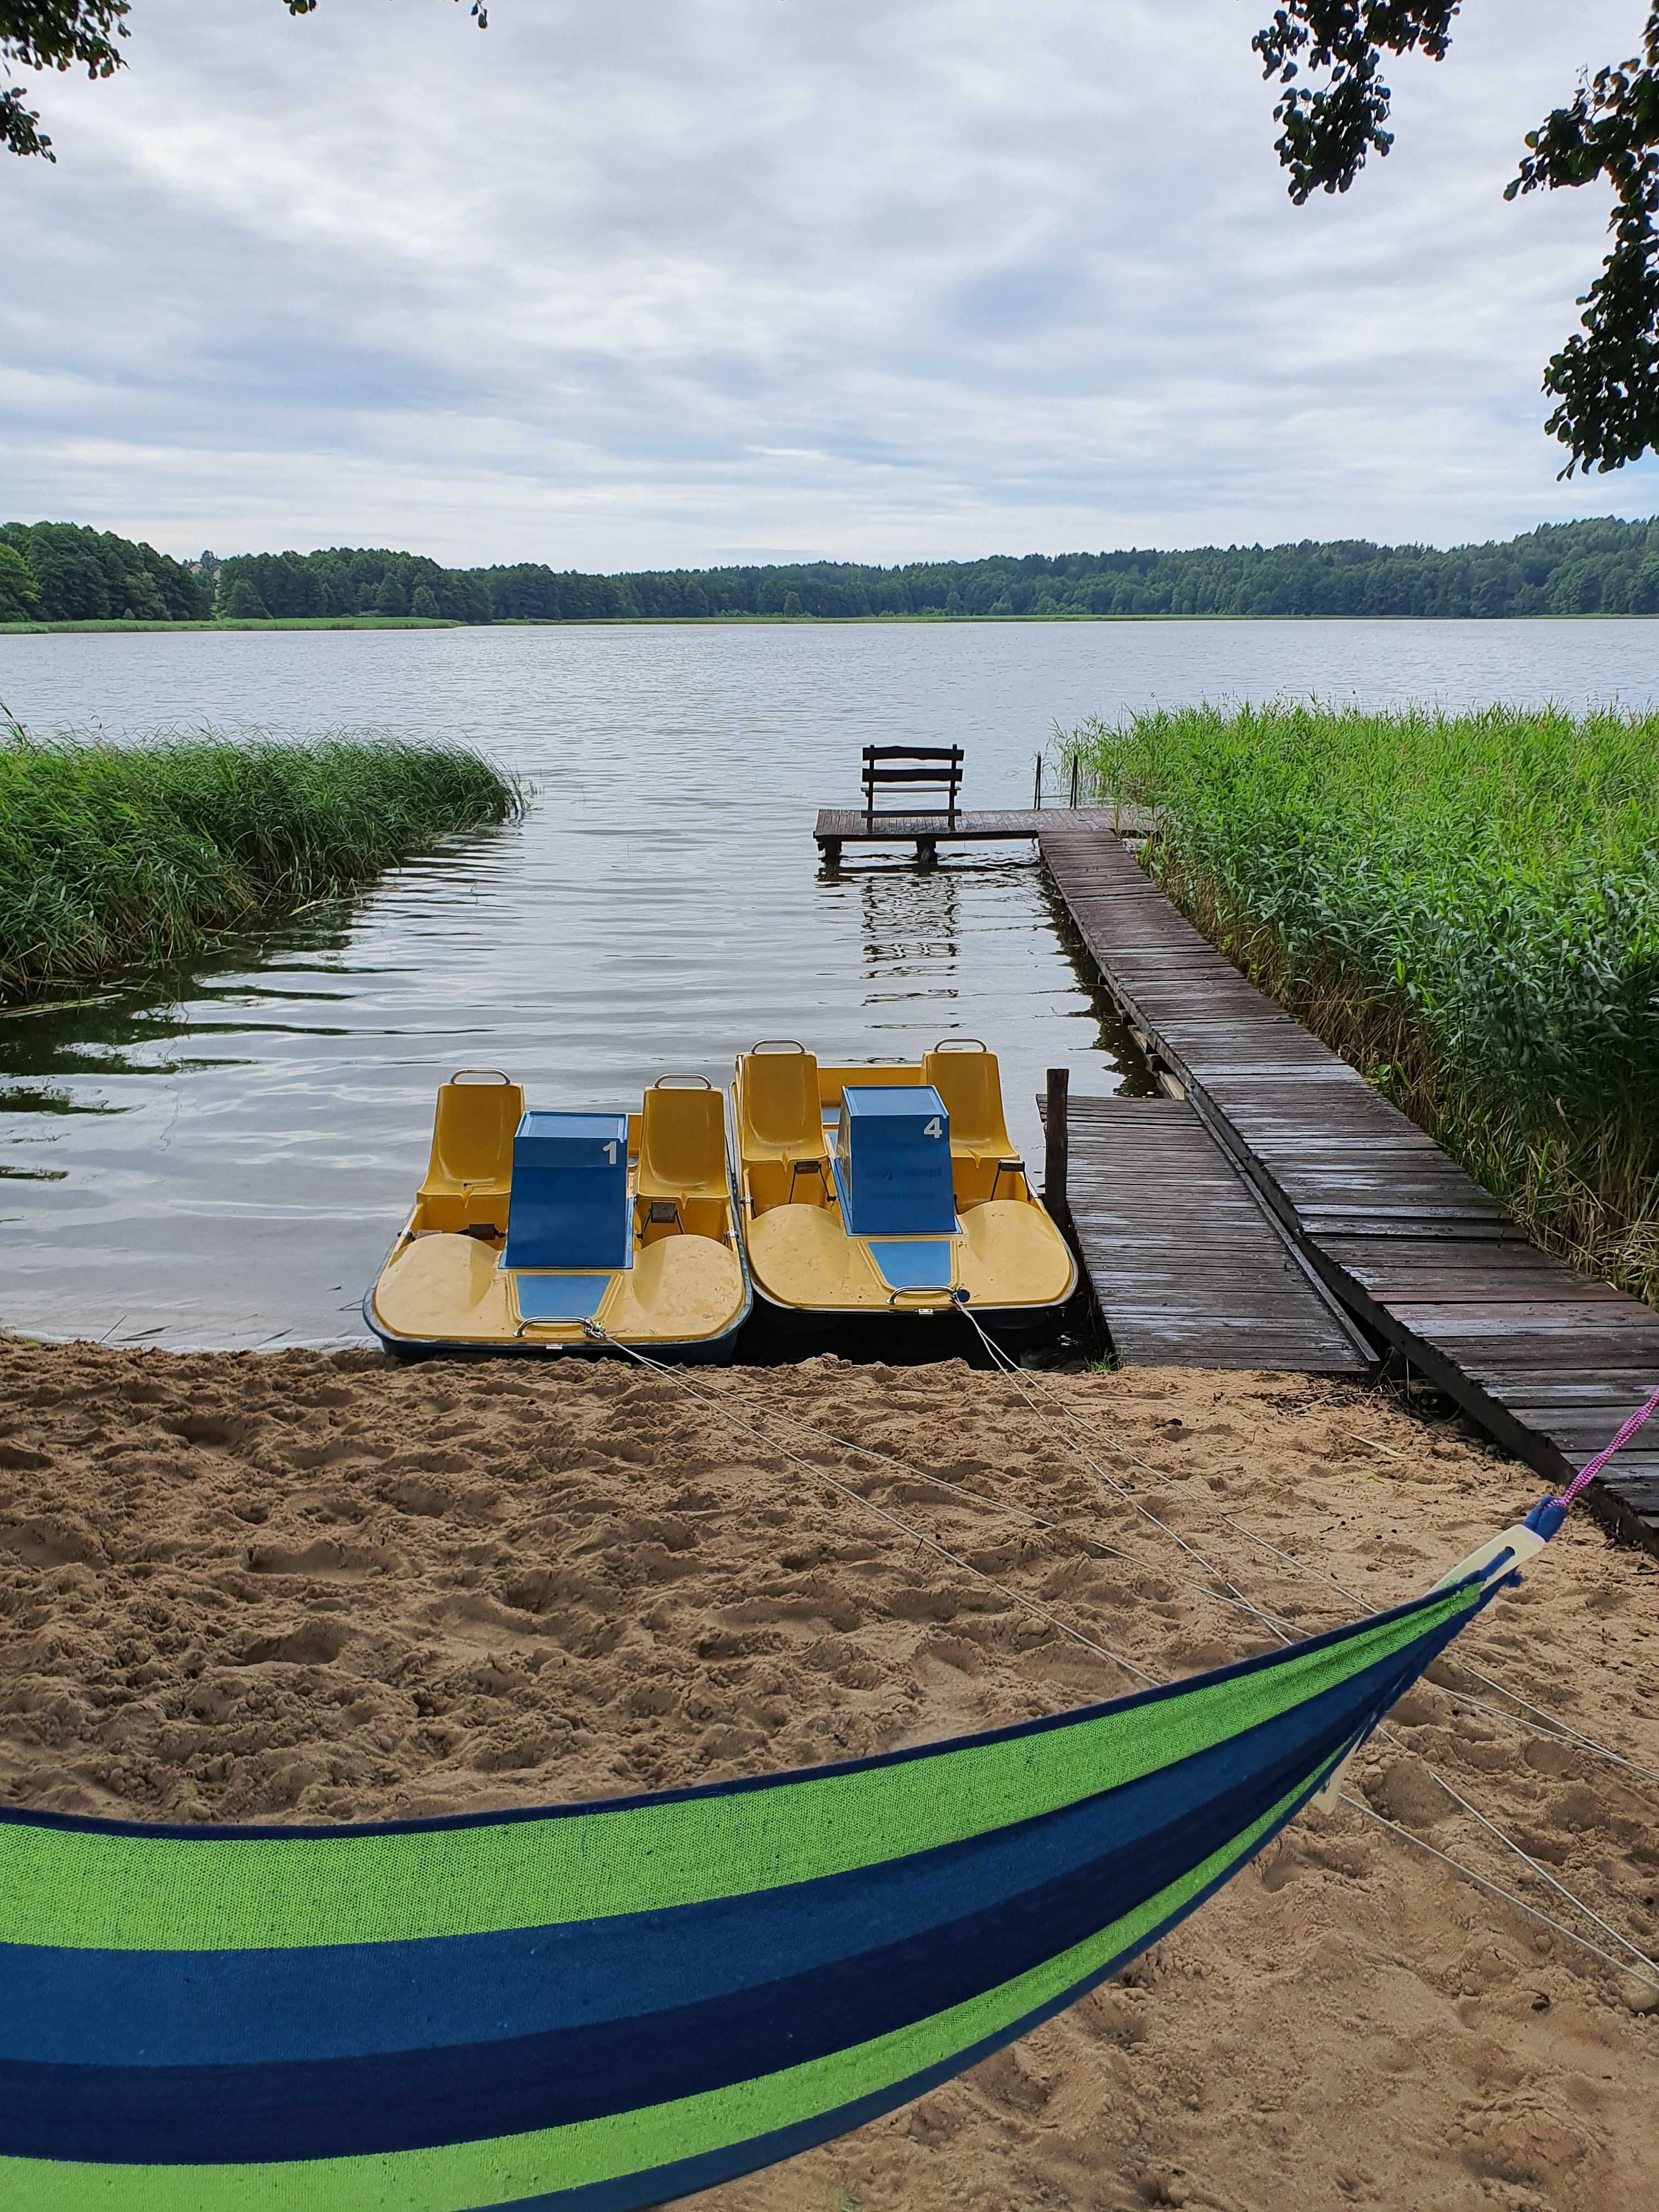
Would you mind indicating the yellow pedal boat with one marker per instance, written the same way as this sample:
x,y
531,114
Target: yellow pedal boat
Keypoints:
x,y
869,1190
539,1232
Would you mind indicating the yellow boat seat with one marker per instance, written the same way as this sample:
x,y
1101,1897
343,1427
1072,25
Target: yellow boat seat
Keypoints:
x,y
682,1144
470,1174
782,1116
982,1162
969,1083
780,1127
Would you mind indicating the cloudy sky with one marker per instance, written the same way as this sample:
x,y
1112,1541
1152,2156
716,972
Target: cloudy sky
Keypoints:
x,y
678,280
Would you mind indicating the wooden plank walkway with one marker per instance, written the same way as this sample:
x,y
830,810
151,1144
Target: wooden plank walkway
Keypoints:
x,y
846,825
1187,1268
1546,1360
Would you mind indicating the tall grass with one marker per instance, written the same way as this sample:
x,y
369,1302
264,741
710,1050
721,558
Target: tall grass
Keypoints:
x,y
1466,907
115,857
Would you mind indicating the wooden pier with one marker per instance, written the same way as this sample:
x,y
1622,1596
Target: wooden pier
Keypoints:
x,y
852,825
1187,1265
1430,1264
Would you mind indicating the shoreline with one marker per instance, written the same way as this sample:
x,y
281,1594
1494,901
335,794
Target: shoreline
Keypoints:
x,y
748,620
119,627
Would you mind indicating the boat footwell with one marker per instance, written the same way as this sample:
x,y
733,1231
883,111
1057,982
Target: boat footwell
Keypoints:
x,y
451,1292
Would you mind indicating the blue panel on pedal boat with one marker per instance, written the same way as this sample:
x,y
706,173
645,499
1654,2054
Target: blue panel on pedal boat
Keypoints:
x,y
559,1297
568,1203
919,1264
893,1161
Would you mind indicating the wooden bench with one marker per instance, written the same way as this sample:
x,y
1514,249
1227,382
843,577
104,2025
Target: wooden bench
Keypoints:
x,y
943,771
936,767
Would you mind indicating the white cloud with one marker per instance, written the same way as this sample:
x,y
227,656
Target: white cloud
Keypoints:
x,y
612,287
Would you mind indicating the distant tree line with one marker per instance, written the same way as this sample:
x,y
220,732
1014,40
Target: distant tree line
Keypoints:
x,y
1565,569
59,572
343,580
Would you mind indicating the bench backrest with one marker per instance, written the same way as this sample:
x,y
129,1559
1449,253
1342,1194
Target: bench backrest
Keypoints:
x,y
937,767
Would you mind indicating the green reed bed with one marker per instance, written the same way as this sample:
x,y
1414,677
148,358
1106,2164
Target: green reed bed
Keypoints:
x,y
119,857
1465,906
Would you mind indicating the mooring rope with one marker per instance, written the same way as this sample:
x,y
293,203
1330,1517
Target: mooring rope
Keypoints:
x,y
1496,1889
1527,1860
1541,1723
1017,1374
845,1490
1003,1359
1646,1972
954,1490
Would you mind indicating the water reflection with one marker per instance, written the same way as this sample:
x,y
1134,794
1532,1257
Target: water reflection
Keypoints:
x,y
910,935
46,1098
1113,1039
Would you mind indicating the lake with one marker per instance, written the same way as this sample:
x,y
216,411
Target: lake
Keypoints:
x,y
222,1162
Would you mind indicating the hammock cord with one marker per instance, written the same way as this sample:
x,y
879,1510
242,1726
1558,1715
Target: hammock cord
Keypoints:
x,y
1017,1374
1592,1468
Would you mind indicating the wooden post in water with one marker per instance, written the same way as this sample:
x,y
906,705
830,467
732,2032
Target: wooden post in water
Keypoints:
x,y
1056,1146
1037,786
1076,763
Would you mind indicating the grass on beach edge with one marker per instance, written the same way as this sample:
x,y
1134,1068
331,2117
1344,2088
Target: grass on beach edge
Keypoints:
x,y
1466,906
116,858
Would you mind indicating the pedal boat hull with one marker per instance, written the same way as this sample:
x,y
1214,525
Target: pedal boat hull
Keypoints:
x,y
1003,1255
683,1295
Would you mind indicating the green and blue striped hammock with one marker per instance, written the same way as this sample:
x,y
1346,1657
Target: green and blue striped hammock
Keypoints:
x,y
615,2003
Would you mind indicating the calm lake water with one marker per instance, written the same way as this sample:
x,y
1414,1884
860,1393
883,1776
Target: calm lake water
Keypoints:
x,y
224,1161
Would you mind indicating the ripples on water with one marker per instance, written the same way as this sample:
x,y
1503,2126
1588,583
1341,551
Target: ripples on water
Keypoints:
x,y
224,1161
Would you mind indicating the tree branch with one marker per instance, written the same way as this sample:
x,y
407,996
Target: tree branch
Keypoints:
x,y
1605,377
61,35
57,34
1328,130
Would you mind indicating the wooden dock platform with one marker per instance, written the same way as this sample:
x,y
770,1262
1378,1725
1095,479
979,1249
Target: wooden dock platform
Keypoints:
x,y
850,825
1546,1360
1187,1266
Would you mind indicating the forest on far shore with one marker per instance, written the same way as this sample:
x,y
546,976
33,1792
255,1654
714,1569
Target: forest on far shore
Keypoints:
x,y
64,572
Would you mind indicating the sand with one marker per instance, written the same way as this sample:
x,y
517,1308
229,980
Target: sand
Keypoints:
x,y
301,1586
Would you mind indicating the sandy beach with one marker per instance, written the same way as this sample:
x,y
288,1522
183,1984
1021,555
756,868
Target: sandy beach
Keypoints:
x,y
305,1586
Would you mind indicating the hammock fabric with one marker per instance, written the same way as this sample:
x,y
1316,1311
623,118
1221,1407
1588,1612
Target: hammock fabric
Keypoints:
x,y
613,2004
